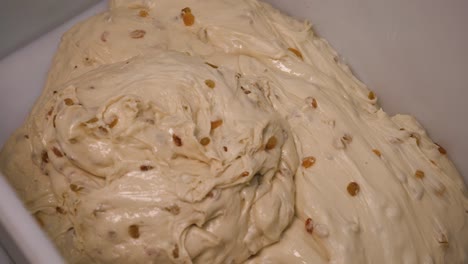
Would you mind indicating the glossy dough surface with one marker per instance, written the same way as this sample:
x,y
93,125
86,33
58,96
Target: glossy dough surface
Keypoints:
x,y
223,131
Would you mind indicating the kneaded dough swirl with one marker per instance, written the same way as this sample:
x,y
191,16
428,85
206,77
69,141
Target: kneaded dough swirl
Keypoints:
x,y
155,161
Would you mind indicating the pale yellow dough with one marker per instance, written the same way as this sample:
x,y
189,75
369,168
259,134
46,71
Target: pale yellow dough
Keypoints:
x,y
239,139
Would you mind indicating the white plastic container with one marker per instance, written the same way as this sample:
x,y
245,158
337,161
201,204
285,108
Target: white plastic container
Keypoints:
x,y
412,53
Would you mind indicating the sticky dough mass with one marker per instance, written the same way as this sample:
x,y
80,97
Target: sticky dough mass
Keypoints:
x,y
233,136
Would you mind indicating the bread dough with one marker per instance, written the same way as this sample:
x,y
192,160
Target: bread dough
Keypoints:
x,y
226,133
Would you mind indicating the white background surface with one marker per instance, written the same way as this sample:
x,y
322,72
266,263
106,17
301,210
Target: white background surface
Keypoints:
x,y
412,53
23,20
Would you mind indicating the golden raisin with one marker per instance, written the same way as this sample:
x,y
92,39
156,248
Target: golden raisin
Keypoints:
x,y
371,95
175,251
173,209
146,167
57,152
143,13
346,139
443,241
187,16
92,120
215,124
308,162
245,90
353,188
296,52
114,123
211,65
440,190
377,152
88,61
68,101
441,149
103,129
314,103
417,137
210,83
138,33
419,174
177,140
205,141
245,174
271,143
104,36
134,231
60,210
75,187
44,156
309,226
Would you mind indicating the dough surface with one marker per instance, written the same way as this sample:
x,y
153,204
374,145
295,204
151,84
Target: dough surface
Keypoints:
x,y
222,131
